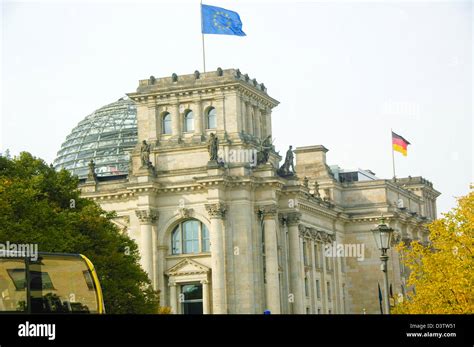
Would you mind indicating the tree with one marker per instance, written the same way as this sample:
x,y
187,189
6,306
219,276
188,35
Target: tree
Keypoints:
x,y
43,206
442,272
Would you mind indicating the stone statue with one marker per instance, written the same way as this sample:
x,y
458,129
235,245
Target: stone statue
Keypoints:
x,y
264,150
288,164
91,175
305,182
145,154
213,147
316,189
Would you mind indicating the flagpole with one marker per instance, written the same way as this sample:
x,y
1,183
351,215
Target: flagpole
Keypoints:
x,y
203,46
393,154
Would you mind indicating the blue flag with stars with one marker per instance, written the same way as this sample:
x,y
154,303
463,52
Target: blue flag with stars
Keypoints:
x,y
217,20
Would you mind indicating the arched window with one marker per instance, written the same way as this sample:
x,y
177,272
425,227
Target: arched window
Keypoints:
x,y
166,126
189,121
190,236
211,118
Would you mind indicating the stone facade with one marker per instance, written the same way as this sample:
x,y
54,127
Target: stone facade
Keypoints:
x,y
267,234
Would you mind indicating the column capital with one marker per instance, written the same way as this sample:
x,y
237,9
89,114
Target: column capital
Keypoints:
x,y
147,216
290,219
172,284
216,210
268,211
204,282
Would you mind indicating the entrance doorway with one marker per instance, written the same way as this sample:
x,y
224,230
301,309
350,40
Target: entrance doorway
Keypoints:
x,y
191,298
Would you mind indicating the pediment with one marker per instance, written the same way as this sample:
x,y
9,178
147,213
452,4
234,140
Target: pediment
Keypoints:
x,y
187,266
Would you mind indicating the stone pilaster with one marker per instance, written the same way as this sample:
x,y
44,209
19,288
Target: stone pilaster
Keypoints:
x,y
216,212
205,297
199,119
272,286
296,278
173,297
175,123
147,218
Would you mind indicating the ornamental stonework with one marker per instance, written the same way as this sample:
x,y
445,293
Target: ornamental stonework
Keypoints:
x,y
216,210
267,211
147,216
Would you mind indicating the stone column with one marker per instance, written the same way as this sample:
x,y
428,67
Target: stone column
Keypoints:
x,y
173,297
258,121
198,122
250,124
272,286
147,218
314,301
243,115
175,122
162,251
268,121
205,297
296,279
216,213
153,135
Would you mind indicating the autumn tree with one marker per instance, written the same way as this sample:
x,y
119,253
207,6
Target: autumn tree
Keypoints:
x,y
43,206
442,272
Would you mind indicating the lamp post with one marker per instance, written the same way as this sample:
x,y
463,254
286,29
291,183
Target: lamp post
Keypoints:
x,y
383,236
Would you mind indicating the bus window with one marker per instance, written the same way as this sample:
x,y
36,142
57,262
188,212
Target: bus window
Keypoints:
x,y
62,284
12,285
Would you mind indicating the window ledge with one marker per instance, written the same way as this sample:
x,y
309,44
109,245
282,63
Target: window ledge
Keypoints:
x,y
187,255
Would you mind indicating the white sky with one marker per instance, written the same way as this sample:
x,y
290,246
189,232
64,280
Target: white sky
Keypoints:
x,y
344,72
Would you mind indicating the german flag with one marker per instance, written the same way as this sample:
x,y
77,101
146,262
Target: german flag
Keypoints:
x,y
399,144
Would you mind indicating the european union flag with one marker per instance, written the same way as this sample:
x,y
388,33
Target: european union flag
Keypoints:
x,y
217,20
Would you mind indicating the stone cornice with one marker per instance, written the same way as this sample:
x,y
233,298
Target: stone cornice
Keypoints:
x,y
193,94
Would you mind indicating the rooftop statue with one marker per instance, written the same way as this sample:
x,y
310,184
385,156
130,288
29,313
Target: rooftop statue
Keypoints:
x,y
288,168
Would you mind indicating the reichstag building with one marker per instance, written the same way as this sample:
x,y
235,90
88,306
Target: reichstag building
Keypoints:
x,y
224,223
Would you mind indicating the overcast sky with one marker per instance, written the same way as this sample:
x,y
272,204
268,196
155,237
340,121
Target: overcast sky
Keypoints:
x,y
344,72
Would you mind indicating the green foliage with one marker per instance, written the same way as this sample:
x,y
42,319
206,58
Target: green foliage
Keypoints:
x,y
442,272
40,205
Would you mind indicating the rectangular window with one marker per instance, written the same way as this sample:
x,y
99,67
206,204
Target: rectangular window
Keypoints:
x,y
316,255
205,239
306,287
176,243
192,298
318,289
305,254
191,237
329,290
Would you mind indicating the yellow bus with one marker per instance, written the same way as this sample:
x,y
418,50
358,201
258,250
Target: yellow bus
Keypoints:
x,y
49,283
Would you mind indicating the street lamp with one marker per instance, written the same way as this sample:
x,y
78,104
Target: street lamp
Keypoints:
x,y
383,237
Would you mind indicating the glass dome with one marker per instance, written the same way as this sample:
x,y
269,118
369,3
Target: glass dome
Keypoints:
x,y
106,136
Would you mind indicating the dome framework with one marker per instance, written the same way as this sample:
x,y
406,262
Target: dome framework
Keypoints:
x,y
105,136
